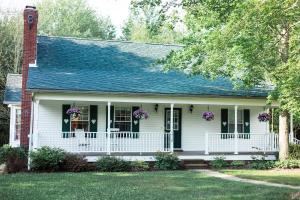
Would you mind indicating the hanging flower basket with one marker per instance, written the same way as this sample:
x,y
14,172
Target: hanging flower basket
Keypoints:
x,y
140,114
73,112
208,116
264,117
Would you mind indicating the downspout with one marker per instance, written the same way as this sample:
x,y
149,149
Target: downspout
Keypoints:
x,y
30,134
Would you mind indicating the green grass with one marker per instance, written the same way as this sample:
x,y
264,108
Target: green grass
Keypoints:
x,y
291,177
147,185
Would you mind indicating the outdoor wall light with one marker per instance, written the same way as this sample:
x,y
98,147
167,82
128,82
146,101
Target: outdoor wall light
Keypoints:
x,y
156,107
191,108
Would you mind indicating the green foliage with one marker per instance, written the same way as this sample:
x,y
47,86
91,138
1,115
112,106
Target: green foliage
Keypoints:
x,y
47,159
139,166
219,162
288,164
10,61
237,163
251,42
112,164
294,151
166,161
76,163
72,18
13,157
151,21
262,163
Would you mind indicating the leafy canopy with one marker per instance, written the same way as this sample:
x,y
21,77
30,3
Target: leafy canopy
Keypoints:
x,y
252,42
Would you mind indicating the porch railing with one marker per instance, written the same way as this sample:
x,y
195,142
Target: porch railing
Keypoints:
x,y
117,142
241,142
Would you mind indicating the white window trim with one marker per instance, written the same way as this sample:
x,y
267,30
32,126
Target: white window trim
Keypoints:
x,y
242,123
82,120
123,107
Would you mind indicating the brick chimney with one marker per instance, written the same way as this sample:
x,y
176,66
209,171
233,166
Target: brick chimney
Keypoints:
x,y
29,57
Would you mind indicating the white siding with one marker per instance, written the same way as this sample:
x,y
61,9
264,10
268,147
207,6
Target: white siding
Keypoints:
x,y
193,126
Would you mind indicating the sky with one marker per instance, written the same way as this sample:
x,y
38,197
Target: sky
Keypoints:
x,y
117,10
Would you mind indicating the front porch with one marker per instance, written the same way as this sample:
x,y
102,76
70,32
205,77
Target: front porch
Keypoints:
x,y
176,125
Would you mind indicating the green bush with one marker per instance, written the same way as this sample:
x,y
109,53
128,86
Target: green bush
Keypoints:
x,y
294,152
112,164
47,159
237,163
262,164
166,161
76,163
15,158
219,162
139,166
288,164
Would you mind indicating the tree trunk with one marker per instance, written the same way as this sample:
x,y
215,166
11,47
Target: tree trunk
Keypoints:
x,y
283,136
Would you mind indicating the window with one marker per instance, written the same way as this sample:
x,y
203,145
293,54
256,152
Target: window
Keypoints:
x,y
17,124
175,121
123,119
240,121
81,123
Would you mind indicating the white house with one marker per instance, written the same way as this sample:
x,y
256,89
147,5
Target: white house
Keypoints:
x,y
108,81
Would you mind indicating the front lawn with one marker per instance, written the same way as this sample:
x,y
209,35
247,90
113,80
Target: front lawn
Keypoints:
x,y
144,185
288,176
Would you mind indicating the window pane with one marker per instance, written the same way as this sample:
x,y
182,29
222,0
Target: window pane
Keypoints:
x,y
83,125
82,121
123,119
17,124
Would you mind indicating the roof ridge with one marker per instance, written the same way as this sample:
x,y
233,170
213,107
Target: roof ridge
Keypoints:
x,y
120,41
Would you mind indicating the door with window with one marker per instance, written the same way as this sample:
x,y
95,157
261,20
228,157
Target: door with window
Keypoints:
x,y
176,125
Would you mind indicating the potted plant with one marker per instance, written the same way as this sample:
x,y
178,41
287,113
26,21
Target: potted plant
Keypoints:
x,y
264,117
208,115
74,112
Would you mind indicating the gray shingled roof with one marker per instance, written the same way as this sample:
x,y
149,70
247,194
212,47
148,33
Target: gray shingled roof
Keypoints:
x,y
69,64
13,87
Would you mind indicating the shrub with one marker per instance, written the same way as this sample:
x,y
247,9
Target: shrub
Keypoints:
x,y
139,166
288,164
166,161
237,163
219,162
294,152
15,158
262,164
47,159
112,164
76,163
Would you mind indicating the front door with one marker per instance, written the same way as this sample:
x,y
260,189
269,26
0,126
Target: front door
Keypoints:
x,y
176,125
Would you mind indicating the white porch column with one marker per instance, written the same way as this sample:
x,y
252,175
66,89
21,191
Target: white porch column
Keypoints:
x,y
235,130
172,127
291,128
35,124
108,128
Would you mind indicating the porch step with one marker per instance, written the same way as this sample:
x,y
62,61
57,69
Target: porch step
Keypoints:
x,y
195,164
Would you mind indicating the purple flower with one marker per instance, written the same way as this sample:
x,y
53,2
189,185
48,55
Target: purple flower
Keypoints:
x,y
73,110
208,116
140,114
264,117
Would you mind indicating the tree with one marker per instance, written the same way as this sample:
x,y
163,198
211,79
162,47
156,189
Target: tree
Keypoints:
x,y
251,42
10,60
152,21
72,18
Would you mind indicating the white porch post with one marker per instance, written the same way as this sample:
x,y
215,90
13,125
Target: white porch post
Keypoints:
x,y
291,128
235,130
35,124
108,128
172,127
206,143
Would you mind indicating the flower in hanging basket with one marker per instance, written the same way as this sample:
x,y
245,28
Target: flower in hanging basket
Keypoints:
x,y
264,117
140,114
208,116
74,112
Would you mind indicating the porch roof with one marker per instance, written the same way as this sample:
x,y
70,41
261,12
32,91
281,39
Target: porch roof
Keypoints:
x,y
69,64
12,94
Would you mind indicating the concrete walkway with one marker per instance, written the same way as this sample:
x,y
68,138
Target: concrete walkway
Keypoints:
x,y
234,178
